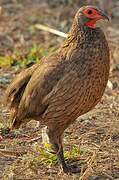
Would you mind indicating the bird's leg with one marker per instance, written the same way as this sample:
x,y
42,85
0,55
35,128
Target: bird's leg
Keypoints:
x,y
60,155
57,147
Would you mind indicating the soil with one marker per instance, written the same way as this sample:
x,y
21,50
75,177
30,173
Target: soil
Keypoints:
x,y
96,133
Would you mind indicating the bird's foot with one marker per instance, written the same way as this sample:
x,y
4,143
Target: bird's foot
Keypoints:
x,y
73,168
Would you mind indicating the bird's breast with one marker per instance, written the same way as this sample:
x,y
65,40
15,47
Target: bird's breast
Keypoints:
x,y
91,63
93,76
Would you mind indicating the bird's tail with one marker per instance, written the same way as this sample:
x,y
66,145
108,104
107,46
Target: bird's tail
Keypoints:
x,y
16,89
15,92
15,124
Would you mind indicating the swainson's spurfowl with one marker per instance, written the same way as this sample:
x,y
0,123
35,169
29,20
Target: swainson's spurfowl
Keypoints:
x,y
66,84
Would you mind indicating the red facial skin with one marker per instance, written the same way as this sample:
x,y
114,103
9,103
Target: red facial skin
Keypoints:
x,y
93,15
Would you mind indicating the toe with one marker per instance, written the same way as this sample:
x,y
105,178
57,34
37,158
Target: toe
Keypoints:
x,y
72,169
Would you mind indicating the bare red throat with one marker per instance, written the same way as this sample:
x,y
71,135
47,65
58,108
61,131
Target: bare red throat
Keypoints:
x,y
91,23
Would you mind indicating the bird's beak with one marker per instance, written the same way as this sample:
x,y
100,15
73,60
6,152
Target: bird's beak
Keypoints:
x,y
104,15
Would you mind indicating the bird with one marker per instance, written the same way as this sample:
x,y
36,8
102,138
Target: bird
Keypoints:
x,y
66,84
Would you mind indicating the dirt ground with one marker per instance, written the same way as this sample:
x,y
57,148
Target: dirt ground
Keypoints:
x,y
95,134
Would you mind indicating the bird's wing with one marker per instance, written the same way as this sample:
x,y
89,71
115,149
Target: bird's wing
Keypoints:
x,y
40,85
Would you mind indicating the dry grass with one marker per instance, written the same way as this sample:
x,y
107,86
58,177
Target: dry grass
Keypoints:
x,y
96,138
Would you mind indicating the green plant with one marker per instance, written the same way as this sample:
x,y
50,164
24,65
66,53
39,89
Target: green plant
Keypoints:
x,y
24,59
48,157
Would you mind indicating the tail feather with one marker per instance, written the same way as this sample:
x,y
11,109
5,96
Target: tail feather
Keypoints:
x,y
15,92
16,124
16,89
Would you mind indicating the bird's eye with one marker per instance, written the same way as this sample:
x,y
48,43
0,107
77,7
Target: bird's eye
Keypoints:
x,y
90,12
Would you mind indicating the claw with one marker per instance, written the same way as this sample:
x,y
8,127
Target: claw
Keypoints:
x,y
72,169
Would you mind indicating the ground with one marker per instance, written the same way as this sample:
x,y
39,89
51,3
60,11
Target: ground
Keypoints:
x,y
93,139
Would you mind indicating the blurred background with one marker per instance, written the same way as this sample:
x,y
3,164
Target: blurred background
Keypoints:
x,y
18,19
21,45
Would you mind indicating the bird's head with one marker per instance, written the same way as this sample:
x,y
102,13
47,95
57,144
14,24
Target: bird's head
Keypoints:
x,y
89,15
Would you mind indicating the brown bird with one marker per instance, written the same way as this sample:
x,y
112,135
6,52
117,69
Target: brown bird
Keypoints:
x,y
67,83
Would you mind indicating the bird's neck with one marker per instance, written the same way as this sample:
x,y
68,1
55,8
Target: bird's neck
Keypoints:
x,y
79,35
80,31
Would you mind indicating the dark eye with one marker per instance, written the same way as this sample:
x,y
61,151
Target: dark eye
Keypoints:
x,y
90,12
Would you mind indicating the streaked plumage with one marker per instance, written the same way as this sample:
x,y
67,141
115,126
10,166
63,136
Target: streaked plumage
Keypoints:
x,y
66,84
